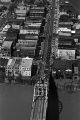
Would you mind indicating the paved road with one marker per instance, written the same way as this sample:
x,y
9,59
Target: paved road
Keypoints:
x,y
15,102
71,106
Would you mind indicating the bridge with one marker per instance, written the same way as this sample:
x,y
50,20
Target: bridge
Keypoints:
x,y
41,88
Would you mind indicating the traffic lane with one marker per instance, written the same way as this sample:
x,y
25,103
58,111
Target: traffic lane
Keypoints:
x,y
71,106
15,102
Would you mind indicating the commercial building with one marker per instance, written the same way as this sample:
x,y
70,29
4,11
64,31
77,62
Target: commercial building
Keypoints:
x,y
25,67
7,26
17,67
27,51
27,43
7,48
66,54
9,71
3,64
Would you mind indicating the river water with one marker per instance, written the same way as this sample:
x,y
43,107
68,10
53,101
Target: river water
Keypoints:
x,y
15,102
71,105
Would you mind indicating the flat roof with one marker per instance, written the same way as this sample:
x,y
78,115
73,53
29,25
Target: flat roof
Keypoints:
x,y
26,62
31,37
9,62
27,48
18,62
7,44
3,62
24,31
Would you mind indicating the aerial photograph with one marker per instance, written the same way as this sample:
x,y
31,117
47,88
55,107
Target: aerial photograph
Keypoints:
x,y
39,59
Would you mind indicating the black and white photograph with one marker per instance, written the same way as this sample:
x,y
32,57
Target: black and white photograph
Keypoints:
x,y
39,59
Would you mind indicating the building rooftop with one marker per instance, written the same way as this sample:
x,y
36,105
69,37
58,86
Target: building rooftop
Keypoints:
x,y
28,48
18,62
11,62
63,64
7,44
28,37
3,62
26,62
24,31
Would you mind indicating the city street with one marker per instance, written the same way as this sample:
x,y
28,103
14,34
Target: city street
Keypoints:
x,y
15,102
71,105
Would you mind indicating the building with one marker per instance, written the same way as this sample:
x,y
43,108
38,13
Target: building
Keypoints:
x,y
28,37
27,51
10,67
3,64
25,67
5,1
27,32
36,13
66,54
17,67
32,25
64,18
61,33
66,42
2,34
21,11
15,26
1,42
7,48
63,68
5,29
65,24
15,21
26,43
